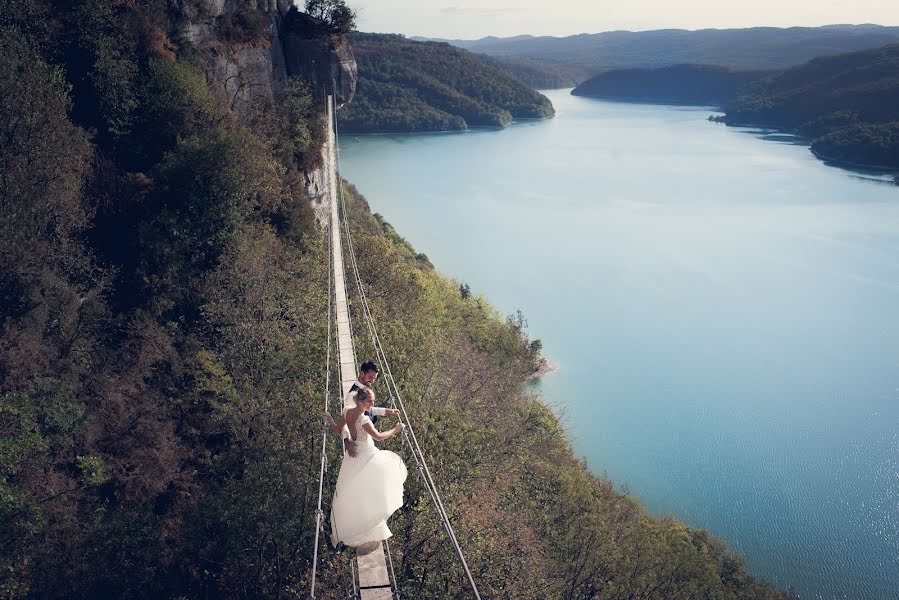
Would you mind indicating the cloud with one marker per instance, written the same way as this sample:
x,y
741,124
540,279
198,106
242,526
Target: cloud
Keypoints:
x,y
471,11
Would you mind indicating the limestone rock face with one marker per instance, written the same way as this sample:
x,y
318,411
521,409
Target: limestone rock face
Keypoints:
x,y
241,73
326,61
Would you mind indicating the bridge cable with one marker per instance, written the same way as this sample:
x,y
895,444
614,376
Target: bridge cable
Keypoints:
x,y
324,455
395,396
319,514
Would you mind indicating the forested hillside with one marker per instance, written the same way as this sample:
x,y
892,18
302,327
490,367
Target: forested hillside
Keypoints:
x,y
431,86
163,333
539,74
847,104
160,313
678,84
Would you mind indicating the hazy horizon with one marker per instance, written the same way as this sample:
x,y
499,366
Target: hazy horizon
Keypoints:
x,y
521,35
476,19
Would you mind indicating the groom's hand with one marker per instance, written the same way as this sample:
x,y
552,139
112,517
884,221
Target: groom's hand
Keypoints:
x,y
392,411
350,447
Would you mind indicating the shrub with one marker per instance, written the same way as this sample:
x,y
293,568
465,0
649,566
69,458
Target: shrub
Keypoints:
x,y
305,124
243,26
210,186
338,17
177,103
43,157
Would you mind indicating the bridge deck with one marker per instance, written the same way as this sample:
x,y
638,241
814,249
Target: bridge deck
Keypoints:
x,y
374,581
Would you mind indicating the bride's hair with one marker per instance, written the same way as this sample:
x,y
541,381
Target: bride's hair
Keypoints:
x,y
364,394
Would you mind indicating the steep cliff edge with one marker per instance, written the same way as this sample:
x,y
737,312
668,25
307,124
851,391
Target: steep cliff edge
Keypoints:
x,y
250,48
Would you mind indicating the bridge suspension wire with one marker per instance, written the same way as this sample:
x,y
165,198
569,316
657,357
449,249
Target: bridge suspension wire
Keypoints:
x,y
324,456
393,391
368,567
331,316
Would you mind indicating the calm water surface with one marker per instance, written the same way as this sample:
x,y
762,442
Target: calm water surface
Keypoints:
x,y
724,309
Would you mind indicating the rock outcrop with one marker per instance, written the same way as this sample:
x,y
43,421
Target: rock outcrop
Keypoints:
x,y
326,61
271,41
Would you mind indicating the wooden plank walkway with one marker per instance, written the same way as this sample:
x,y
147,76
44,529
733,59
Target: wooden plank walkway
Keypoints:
x,y
374,581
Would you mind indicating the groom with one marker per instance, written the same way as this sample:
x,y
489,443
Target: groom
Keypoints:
x,y
368,373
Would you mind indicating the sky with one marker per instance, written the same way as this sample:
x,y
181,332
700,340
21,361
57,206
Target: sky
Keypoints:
x,y
471,19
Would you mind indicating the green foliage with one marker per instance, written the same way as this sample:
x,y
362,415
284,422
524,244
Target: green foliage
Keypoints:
x,y
339,18
428,86
35,424
43,157
176,103
103,63
29,17
93,469
34,419
246,25
210,185
864,143
119,416
306,127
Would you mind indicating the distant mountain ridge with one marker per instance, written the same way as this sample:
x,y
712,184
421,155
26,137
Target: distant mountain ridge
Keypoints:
x,y
406,86
750,48
538,74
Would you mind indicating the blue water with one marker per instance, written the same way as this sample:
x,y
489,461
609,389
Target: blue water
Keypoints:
x,y
723,307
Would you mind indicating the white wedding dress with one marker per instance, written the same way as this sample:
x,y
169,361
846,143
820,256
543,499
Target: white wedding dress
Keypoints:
x,y
369,489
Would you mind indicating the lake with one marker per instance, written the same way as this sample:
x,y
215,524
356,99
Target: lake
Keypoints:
x,y
723,308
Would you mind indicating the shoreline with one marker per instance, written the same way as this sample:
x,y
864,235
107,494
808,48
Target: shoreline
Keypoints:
x,y
546,367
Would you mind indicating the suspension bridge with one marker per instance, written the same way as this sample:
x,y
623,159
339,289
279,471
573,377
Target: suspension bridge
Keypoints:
x,y
372,572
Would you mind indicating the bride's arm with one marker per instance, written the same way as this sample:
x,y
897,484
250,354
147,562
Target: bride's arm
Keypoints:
x,y
380,437
337,426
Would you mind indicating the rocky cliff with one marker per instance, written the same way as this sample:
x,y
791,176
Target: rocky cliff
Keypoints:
x,y
249,48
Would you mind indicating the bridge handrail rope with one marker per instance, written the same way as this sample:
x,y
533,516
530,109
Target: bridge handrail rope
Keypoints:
x,y
347,368
396,587
335,187
380,357
414,447
395,397
332,314
332,186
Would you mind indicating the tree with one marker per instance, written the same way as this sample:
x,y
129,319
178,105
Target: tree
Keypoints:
x,y
339,17
305,126
43,158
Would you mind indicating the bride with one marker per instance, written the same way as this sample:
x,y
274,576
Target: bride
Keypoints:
x,y
369,485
